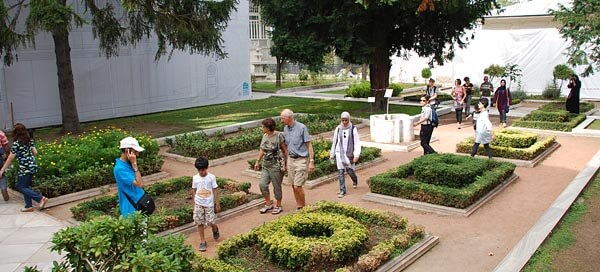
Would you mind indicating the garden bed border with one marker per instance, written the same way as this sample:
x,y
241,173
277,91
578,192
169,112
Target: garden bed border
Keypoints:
x,y
524,163
439,209
85,194
310,184
409,256
581,129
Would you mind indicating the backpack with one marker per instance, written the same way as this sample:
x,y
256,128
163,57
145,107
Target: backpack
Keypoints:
x,y
434,119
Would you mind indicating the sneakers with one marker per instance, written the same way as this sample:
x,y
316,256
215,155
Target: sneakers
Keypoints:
x,y
266,208
340,195
30,209
43,203
203,246
277,210
5,194
354,186
216,234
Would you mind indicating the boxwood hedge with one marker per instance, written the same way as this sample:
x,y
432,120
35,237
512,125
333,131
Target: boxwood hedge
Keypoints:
x,y
553,116
457,189
504,150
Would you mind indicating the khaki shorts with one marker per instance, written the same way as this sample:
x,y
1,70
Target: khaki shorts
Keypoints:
x,y
297,171
204,215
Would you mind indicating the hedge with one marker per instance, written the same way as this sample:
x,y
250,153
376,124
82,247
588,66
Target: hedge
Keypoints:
x,y
514,138
401,181
86,161
363,89
327,236
163,218
553,116
218,146
323,166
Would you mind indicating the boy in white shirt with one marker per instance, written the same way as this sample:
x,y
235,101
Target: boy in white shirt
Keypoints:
x,y
206,200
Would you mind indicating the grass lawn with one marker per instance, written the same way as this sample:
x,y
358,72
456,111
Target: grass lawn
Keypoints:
x,y
562,236
192,119
269,86
594,125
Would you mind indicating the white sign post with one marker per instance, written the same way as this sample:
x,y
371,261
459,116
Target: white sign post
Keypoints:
x,y
387,95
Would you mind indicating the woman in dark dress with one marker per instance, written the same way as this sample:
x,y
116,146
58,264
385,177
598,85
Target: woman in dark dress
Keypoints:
x,y
573,98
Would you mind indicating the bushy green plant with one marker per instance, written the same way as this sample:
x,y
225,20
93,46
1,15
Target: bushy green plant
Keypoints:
x,y
359,90
553,116
551,92
397,89
494,71
400,182
519,94
514,138
303,76
426,73
526,153
561,72
74,164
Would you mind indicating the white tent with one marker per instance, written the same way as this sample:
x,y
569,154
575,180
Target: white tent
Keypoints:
x,y
130,84
524,34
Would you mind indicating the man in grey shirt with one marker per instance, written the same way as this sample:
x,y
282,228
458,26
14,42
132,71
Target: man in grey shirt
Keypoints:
x,y
300,154
486,89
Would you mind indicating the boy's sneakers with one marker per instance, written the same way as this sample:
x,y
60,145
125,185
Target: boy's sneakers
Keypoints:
x,y
30,209
203,246
216,234
43,202
266,208
340,195
5,194
277,210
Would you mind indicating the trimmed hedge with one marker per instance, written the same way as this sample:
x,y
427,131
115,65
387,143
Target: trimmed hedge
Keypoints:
x,y
163,218
553,116
416,98
219,146
79,163
355,240
526,153
323,166
514,138
401,182
363,89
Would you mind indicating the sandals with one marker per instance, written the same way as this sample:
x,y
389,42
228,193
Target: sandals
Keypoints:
x,y
266,208
277,210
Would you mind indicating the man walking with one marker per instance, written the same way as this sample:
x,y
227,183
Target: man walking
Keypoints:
x,y
300,154
486,89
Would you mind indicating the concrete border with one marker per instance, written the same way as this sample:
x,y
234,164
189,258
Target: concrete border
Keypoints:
x,y
518,257
191,227
310,184
581,129
439,209
525,163
404,147
410,255
81,195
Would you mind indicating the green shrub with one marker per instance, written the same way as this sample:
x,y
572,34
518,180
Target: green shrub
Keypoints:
x,y
79,163
397,89
416,98
552,116
526,153
359,90
519,94
449,171
303,76
514,138
551,92
400,182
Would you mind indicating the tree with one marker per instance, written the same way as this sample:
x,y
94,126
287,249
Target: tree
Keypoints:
x,y
370,31
561,72
426,73
187,25
494,71
579,25
512,72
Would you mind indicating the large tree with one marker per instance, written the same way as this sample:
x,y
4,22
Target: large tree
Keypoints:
x,y
189,25
370,31
580,24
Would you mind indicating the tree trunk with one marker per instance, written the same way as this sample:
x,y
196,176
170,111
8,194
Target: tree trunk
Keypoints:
x,y
278,68
66,88
379,71
363,71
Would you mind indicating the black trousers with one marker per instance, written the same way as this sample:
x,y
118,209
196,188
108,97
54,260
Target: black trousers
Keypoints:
x,y
425,135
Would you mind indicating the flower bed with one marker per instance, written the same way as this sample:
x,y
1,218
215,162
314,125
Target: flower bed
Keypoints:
x,y
327,237
75,164
443,179
553,116
218,146
174,208
323,166
512,144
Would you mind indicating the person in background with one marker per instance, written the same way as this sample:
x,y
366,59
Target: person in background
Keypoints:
x,y
345,148
4,151
301,159
206,201
426,127
502,100
486,88
128,176
483,134
432,91
458,95
274,151
573,97
468,87
23,148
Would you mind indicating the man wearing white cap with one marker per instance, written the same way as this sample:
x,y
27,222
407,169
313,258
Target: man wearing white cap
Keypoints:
x,y
127,175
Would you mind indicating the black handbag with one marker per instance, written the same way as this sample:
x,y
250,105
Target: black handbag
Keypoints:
x,y
145,204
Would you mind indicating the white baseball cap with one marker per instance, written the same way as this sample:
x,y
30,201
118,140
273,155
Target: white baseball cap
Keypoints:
x,y
131,142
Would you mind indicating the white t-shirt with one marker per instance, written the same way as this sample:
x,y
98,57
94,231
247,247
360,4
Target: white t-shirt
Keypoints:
x,y
204,185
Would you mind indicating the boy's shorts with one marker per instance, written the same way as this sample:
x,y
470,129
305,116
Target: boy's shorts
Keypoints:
x,y
204,215
3,183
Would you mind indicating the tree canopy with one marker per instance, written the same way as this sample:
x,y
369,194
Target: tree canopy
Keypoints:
x,y
370,31
580,25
